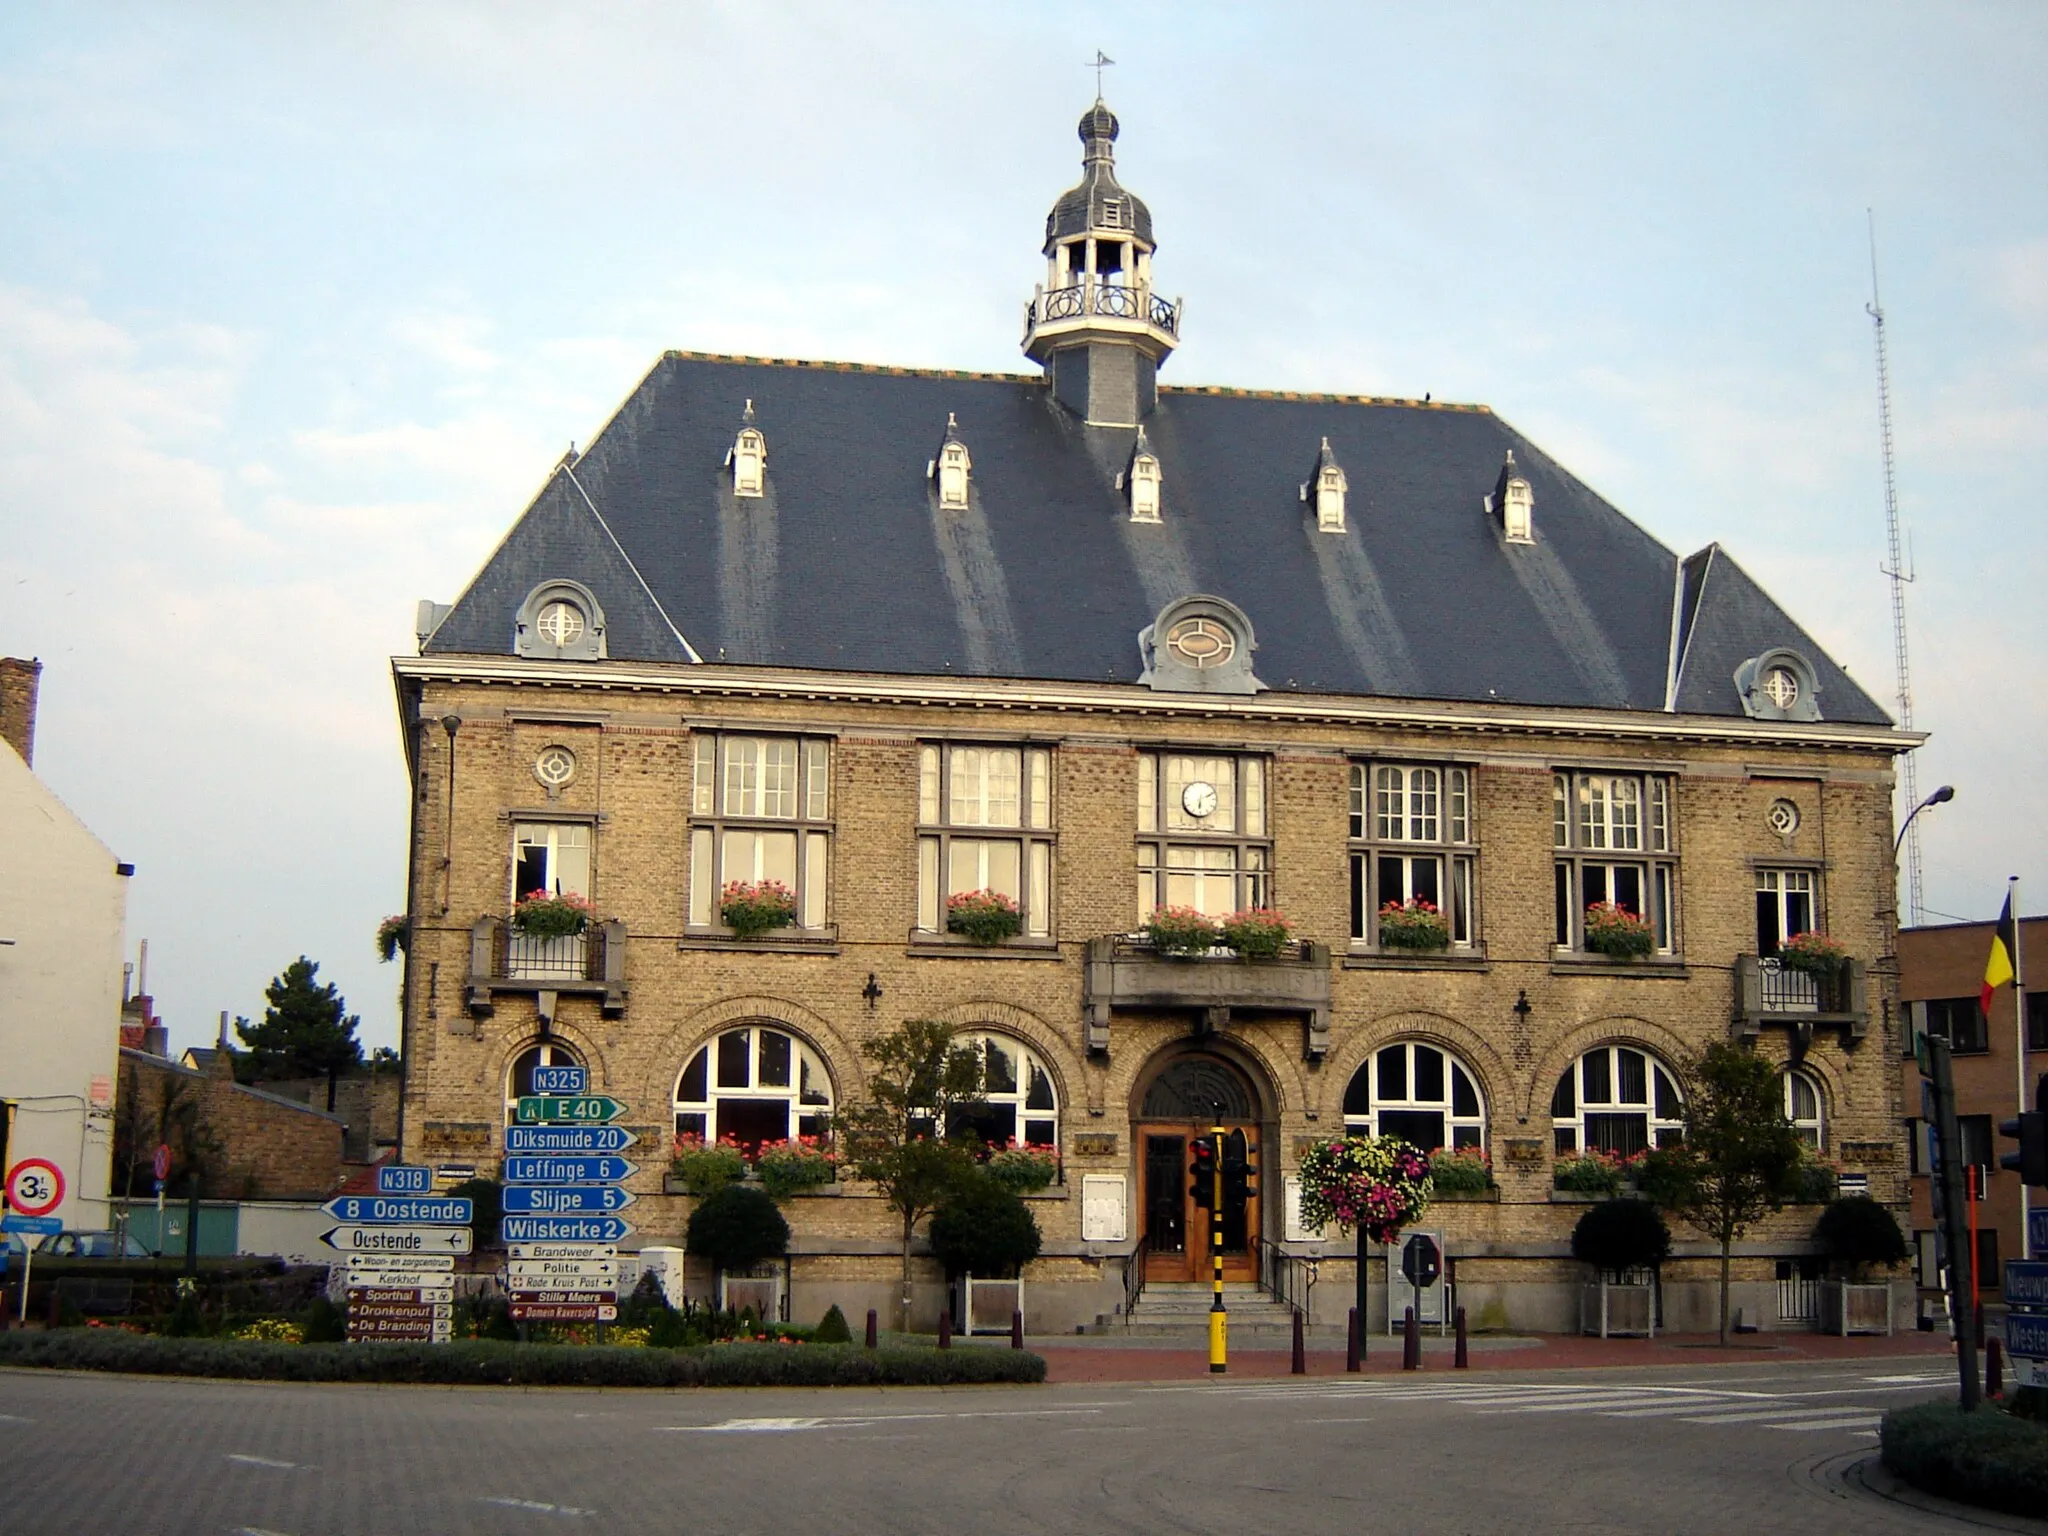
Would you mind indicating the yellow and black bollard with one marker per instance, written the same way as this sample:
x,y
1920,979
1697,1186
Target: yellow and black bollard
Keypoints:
x,y
1219,1315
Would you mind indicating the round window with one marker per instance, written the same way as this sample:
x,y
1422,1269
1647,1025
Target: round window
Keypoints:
x,y
1201,642
1783,817
555,766
560,623
1781,686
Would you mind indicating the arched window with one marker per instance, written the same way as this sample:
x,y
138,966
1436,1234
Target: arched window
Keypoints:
x,y
754,1084
1419,1093
1019,1102
1616,1098
1803,1109
519,1081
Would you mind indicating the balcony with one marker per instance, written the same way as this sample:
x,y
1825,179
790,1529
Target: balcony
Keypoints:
x,y
1125,971
1108,301
587,964
1769,994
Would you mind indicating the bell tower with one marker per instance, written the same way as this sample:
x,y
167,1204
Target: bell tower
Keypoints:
x,y
1095,324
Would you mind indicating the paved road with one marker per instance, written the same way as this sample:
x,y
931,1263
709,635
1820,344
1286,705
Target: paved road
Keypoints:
x,y
1750,1448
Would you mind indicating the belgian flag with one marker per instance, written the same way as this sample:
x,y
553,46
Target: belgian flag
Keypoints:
x,y
2005,949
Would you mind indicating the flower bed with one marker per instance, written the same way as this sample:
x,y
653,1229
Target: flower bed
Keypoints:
x,y
1618,932
1181,931
1813,954
550,917
986,917
1257,933
751,908
1460,1171
1376,1184
1414,925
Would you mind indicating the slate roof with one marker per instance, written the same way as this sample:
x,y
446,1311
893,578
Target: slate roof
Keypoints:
x,y
848,564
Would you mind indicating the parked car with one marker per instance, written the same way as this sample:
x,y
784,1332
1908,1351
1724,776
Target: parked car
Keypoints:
x,y
92,1245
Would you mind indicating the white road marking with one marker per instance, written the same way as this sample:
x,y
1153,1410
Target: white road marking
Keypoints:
x,y
1337,1421
1759,1415
14,1418
1629,1400
862,1420
750,1426
1664,1411
265,1461
1915,1380
256,1530
535,1507
1861,1421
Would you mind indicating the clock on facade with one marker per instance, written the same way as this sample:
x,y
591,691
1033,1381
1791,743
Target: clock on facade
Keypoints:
x,y
1199,799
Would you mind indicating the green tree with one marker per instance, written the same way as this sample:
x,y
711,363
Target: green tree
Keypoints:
x,y
1740,1159
307,1031
898,1139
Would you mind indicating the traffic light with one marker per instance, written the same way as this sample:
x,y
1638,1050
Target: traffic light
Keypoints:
x,y
2030,1130
1239,1174
1202,1170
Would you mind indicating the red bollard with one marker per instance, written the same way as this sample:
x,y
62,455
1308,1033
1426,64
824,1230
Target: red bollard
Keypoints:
x,y
871,1327
1994,1368
1352,1360
1017,1329
1411,1343
1300,1367
946,1328
1461,1360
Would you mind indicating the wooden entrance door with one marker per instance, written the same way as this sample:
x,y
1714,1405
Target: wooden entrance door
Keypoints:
x,y
1176,1228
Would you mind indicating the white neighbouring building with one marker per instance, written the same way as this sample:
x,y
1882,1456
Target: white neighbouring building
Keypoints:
x,y
63,911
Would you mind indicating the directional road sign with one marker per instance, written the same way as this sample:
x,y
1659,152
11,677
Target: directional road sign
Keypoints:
x,y
400,1210
2026,1282
590,1298
553,1169
2026,1336
568,1138
521,1252
383,1240
411,1281
563,1229
556,1312
560,1271
533,1199
374,1296
398,1330
27,1225
409,1262
2037,1229
560,1080
599,1110
404,1179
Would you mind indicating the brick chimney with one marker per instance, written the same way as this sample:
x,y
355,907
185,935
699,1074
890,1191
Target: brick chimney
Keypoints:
x,y
18,683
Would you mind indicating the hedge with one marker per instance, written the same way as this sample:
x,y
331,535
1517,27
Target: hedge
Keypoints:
x,y
484,1362
1988,1458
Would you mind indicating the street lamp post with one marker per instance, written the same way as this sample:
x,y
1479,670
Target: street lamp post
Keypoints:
x,y
1941,796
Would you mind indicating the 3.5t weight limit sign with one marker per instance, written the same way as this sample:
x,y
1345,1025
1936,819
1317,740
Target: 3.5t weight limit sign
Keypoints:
x,y
35,1186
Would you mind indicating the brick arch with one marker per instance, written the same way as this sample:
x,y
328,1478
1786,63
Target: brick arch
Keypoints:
x,y
1612,1029
1249,1056
683,1039
1826,1073
510,1044
1009,1019
1464,1042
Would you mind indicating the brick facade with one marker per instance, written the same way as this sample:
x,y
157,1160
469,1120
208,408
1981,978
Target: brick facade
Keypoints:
x,y
270,1148
19,682
1515,1013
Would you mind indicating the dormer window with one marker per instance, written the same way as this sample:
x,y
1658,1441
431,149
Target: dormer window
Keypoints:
x,y
951,468
1328,487
560,621
748,458
1514,503
1112,213
1140,482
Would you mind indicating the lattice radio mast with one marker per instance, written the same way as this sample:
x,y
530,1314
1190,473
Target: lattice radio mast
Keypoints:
x,y
1897,571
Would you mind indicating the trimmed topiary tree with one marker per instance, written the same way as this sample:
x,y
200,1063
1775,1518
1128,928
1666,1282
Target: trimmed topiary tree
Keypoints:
x,y
1621,1234
1856,1232
984,1230
737,1227
832,1328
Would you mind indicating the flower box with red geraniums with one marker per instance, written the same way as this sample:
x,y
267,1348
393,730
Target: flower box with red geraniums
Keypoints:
x,y
1414,925
542,916
1023,1169
1596,1172
1181,931
703,1167
1456,1171
751,908
1813,954
1617,932
987,917
788,1168
1257,933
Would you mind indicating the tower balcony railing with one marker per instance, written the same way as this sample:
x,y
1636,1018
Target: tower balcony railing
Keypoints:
x,y
1112,301
1128,972
1771,993
503,959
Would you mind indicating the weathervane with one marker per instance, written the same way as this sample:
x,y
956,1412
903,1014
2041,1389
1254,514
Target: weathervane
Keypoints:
x,y
1102,61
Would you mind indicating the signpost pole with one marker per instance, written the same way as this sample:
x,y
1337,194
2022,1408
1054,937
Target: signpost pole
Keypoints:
x,y
1949,1169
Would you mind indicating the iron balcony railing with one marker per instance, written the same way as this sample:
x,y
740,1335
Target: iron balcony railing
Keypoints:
x,y
530,957
1113,301
503,959
1767,991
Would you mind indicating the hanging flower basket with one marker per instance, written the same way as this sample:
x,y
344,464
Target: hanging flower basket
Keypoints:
x,y
1376,1184
550,917
1617,932
986,917
751,908
1416,925
393,934
1814,954
1181,931
1257,933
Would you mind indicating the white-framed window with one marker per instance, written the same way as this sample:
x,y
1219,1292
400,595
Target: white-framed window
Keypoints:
x,y
749,460
984,815
1418,1092
552,857
760,809
1019,1100
1411,840
951,469
1785,906
1803,1108
1203,838
1616,1098
1143,487
519,1077
1613,835
754,1083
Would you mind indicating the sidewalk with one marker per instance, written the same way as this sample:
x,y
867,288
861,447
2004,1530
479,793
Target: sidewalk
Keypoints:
x,y
1072,1358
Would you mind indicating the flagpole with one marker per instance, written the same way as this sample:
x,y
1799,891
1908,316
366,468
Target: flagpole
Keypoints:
x,y
2019,1040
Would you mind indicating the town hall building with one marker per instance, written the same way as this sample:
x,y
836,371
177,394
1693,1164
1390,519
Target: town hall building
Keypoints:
x,y
1106,644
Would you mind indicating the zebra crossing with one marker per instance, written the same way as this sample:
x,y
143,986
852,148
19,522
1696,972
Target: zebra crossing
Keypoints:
x,y
1797,1408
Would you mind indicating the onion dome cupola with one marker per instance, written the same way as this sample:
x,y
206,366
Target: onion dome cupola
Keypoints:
x,y
1095,324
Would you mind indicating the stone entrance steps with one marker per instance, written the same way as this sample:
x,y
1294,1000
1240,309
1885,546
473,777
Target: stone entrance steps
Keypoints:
x,y
1176,1309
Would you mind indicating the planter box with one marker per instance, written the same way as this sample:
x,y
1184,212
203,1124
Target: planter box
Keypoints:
x,y
1847,1309
1468,1196
1618,1311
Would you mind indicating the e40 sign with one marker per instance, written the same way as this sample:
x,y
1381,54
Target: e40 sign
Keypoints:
x,y
596,1110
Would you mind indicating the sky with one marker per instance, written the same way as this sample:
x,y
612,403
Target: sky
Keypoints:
x,y
299,304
